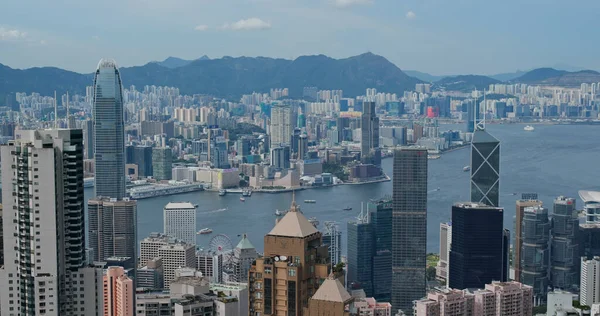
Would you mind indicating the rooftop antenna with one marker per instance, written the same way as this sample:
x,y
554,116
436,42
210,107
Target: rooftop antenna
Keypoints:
x,y
55,111
480,126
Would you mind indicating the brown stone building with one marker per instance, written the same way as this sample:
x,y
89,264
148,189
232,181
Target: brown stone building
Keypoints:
x,y
331,299
294,264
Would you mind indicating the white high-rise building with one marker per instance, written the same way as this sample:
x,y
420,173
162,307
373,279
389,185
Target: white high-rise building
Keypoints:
x,y
45,269
180,221
282,125
176,255
589,291
443,265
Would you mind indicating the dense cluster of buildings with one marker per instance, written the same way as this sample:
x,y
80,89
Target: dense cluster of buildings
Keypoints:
x,y
137,142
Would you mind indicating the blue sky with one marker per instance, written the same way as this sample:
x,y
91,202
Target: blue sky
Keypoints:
x,y
435,36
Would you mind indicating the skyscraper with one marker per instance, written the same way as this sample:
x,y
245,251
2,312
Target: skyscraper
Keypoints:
x,y
293,265
109,131
282,125
88,139
162,163
369,142
409,227
120,291
564,244
112,228
180,221
360,255
477,252
535,251
380,213
485,168
44,234
520,213
243,256
441,271
589,292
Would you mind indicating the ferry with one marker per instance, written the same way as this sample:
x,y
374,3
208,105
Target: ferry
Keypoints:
x,y
222,192
466,168
528,128
347,208
204,231
242,199
154,190
310,201
246,193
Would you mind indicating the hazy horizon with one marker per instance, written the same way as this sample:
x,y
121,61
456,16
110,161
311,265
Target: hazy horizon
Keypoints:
x,y
432,36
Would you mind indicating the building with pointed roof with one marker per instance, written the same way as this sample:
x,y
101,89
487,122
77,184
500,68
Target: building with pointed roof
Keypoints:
x,y
243,256
294,264
331,299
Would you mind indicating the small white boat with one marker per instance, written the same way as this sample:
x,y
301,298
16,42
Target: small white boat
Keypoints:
x,y
310,201
204,231
278,213
529,128
466,168
222,192
242,199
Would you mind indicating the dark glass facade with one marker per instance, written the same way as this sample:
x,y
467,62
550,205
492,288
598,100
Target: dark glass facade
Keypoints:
x,y
477,256
109,131
360,255
409,227
485,168
564,245
535,251
369,143
381,220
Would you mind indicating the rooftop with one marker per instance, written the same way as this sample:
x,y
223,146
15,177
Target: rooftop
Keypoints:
x,y
589,196
293,224
179,206
332,291
480,136
245,243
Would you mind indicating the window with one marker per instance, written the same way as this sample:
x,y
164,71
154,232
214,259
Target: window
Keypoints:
x,y
292,272
297,260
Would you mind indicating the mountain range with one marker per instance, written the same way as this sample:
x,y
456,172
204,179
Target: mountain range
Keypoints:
x,y
230,77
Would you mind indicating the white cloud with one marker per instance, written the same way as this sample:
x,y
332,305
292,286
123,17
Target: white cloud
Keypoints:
x,y
347,3
11,34
410,15
201,28
247,25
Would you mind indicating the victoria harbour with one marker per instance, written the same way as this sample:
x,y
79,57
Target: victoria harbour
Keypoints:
x,y
552,161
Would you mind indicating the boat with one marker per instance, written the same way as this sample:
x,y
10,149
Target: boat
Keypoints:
x,y
528,128
466,168
347,208
196,205
278,213
246,193
242,199
222,192
204,231
310,201
434,157
154,190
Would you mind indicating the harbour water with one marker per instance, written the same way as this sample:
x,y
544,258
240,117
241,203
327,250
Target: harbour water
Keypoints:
x,y
553,160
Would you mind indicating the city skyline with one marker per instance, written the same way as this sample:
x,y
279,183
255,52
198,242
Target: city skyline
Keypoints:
x,y
439,32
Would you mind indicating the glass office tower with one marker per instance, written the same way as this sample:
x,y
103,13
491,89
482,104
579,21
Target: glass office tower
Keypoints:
x,y
409,227
109,138
485,168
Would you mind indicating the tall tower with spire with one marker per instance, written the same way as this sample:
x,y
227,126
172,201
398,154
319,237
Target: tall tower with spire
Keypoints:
x,y
294,264
485,164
